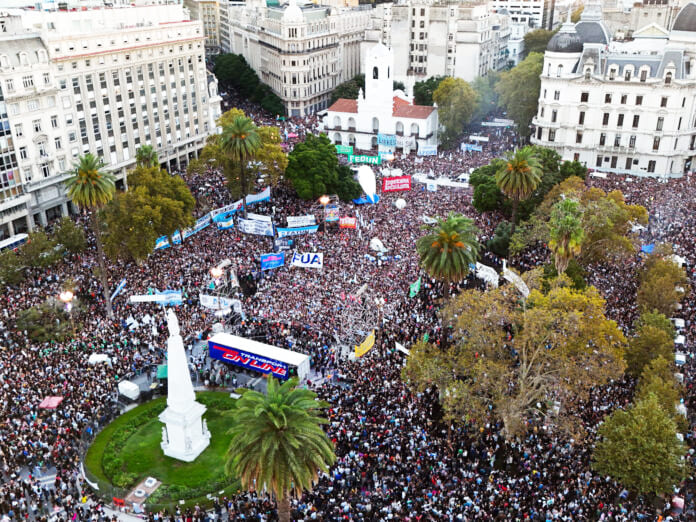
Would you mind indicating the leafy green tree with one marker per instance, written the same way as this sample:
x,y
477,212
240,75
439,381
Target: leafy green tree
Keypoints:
x,y
146,156
70,236
90,187
639,448
313,170
423,91
500,241
574,272
519,88
487,195
241,142
576,14
277,443
456,102
562,346
565,232
537,40
658,378
233,71
486,93
11,268
46,322
663,283
132,220
40,250
657,320
399,86
169,195
448,248
518,178
349,89
648,344
572,168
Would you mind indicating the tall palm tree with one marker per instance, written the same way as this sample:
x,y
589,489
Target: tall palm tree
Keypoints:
x,y
519,177
241,141
146,156
565,233
448,249
277,442
90,188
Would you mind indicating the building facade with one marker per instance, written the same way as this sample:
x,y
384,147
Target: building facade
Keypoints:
x,y
621,107
440,39
208,12
96,81
381,111
301,52
534,11
623,19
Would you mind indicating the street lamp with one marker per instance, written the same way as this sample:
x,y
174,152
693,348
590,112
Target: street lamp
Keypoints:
x,y
324,200
67,296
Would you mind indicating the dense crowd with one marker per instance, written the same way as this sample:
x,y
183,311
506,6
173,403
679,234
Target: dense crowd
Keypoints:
x,y
397,459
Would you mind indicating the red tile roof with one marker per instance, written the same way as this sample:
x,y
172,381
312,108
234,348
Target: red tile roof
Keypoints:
x,y
416,112
400,101
344,105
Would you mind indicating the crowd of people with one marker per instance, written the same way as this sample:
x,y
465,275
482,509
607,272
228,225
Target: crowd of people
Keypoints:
x,y
397,459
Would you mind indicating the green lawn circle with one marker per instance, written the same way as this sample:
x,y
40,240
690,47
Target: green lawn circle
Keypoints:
x,y
128,450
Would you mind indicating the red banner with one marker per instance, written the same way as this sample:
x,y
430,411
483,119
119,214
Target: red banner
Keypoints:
x,y
396,183
347,222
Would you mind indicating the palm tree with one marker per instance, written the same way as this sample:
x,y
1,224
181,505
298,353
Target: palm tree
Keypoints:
x,y
241,141
519,177
565,233
277,443
449,248
91,188
146,156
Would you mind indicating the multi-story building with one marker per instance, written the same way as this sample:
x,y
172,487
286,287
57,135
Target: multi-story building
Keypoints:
x,y
440,39
624,18
534,11
621,107
301,52
100,81
208,12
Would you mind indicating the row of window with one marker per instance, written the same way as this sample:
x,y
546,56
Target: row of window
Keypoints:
x,y
27,82
608,97
579,136
630,162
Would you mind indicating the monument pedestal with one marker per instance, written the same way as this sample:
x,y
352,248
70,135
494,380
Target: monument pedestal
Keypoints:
x,y
186,434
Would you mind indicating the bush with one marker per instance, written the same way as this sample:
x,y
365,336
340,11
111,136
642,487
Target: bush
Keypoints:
x,y
575,273
500,242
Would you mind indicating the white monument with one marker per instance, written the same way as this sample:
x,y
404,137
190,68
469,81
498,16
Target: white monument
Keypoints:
x,y
186,434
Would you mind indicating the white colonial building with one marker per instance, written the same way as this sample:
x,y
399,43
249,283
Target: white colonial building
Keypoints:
x,y
104,81
381,114
621,107
303,52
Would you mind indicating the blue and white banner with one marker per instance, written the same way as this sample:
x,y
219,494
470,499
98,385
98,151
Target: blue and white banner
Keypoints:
x,y
264,195
470,147
273,260
167,297
259,217
298,231
313,260
226,211
301,221
259,228
427,150
386,139
201,223
118,289
163,241
224,225
219,302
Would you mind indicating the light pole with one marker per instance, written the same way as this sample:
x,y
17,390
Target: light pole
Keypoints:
x,y
67,296
324,200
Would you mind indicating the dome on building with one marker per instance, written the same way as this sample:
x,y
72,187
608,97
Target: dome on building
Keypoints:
x,y
686,19
565,42
592,32
293,13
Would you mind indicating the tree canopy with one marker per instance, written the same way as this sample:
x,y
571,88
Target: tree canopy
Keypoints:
x,y
663,283
232,70
561,346
313,170
519,88
639,448
487,96
72,237
423,90
537,40
456,102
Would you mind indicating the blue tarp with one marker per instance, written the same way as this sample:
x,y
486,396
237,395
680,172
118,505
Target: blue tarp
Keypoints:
x,y
648,249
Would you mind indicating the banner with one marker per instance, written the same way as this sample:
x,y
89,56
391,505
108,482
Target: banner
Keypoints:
x,y
248,360
431,186
414,288
224,225
386,139
313,260
364,200
406,142
347,222
201,223
272,260
118,289
287,232
259,217
167,297
301,221
370,160
264,195
344,149
396,183
331,213
282,243
227,209
365,346
427,150
474,137
220,303
464,147
259,228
